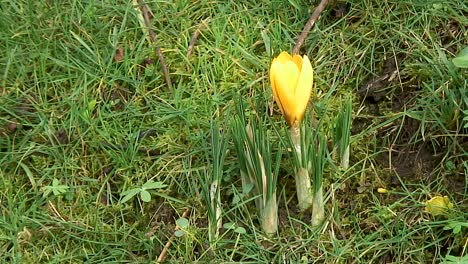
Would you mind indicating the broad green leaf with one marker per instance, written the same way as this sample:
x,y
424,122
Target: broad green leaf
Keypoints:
x,y
149,185
182,222
127,195
55,182
461,60
449,259
236,199
455,226
465,118
240,230
179,233
58,190
145,196
229,225
456,229
464,52
92,105
46,191
247,188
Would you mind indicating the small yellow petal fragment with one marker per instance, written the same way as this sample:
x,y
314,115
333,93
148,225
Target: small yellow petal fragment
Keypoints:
x,y
382,190
438,205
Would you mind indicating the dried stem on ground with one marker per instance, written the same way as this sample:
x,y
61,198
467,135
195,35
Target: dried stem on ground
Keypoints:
x,y
195,36
162,257
317,12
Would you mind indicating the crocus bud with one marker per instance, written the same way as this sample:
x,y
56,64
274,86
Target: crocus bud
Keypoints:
x,y
291,80
382,190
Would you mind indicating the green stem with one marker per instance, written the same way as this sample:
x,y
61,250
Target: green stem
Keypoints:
x,y
216,223
269,217
303,189
296,139
318,211
219,220
302,177
345,158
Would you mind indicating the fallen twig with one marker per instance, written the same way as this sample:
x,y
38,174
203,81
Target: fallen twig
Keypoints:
x,y
146,18
56,212
195,35
318,10
163,254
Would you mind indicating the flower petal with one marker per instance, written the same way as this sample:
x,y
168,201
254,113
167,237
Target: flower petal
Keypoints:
x,y
275,72
303,89
283,57
298,60
285,84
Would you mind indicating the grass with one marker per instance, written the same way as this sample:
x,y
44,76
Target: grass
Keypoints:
x,y
70,112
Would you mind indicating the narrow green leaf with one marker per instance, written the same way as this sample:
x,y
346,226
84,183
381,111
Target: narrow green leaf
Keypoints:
x,y
266,41
295,4
29,174
92,104
82,42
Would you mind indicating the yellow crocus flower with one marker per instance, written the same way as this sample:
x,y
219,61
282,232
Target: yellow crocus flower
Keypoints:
x,y
291,80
